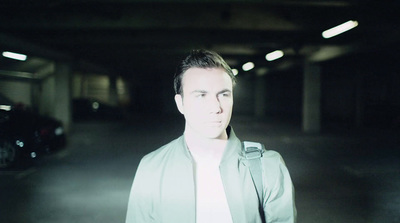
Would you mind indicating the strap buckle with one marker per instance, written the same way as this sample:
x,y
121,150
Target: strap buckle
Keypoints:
x,y
252,150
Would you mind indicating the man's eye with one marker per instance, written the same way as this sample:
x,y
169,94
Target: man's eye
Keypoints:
x,y
200,95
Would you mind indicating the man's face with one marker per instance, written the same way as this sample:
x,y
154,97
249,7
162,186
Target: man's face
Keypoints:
x,y
207,102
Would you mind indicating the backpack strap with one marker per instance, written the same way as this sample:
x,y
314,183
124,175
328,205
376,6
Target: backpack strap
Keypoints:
x,y
252,152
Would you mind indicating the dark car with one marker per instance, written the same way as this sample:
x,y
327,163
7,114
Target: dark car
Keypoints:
x,y
26,135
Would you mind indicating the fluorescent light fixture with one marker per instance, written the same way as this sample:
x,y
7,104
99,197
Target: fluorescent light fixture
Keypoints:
x,y
339,29
235,72
5,107
15,56
274,55
248,66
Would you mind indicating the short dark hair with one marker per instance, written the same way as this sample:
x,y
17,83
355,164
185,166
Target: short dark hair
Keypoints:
x,y
200,59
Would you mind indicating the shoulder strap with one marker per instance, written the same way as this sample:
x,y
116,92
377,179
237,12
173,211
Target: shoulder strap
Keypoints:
x,y
253,151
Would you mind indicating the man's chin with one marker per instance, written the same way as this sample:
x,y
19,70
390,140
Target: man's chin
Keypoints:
x,y
215,133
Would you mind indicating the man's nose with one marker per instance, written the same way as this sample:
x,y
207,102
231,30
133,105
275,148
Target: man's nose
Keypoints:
x,y
214,105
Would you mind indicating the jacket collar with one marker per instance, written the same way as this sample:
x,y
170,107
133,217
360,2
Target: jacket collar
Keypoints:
x,y
232,149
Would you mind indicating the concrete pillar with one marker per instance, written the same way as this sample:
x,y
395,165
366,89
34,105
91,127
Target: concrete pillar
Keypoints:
x,y
62,94
112,91
35,95
83,86
47,96
260,96
312,98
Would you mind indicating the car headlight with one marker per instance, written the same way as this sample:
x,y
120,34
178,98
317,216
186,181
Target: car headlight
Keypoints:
x,y
59,131
19,143
95,106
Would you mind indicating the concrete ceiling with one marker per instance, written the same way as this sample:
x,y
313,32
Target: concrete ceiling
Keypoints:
x,y
136,38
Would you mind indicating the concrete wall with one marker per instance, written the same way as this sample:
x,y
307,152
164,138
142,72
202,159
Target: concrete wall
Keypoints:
x,y
17,91
284,93
244,96
98,86
362,90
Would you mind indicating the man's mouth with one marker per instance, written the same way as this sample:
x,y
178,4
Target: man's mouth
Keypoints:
x,y
214,123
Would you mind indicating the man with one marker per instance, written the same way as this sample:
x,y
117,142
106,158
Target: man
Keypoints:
x,y
201,176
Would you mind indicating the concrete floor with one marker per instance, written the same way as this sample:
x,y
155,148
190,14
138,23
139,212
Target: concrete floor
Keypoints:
x,y
339,176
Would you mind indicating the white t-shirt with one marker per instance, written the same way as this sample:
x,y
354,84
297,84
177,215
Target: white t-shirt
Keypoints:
x,y
211,203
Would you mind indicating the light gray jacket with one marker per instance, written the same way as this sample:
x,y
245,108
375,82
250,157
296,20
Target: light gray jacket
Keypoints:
x,y
164,188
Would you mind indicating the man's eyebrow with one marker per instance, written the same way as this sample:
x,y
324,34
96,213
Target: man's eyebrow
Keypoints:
x,y
204,91
224,91
198,91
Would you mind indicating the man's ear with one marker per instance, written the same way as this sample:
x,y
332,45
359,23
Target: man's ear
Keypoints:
x,y
179,102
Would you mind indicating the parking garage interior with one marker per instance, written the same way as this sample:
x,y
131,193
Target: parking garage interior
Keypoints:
x,y
329,106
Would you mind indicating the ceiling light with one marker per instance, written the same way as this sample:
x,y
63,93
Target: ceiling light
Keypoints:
x,y
15,56
274,55
339,29
248,66
235,72
5,107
